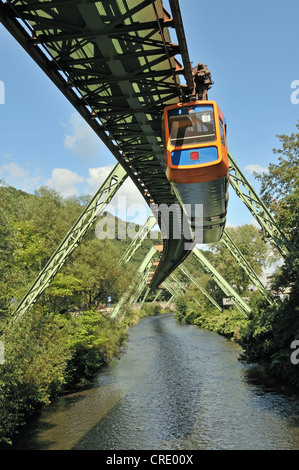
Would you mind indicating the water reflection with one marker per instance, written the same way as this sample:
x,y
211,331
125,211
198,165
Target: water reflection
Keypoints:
x,y
175,387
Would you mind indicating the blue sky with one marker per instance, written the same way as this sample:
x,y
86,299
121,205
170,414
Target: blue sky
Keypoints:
x,y
251,49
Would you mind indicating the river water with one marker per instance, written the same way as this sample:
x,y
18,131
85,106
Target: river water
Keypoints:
x,y
174,387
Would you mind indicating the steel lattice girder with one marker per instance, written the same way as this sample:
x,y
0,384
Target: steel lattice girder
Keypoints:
x,y
200,287
241,260
135,290
114,61
222,283
258,209
90,214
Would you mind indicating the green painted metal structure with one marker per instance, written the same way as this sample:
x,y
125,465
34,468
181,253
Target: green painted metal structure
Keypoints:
x,y
200,287
253,202
239,257
138,239
84,223
222,283
136,289
115,62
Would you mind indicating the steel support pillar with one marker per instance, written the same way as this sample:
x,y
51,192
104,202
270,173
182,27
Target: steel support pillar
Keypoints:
x,y
201,288
96,206
138,240
136,289
253,202
169,302
237,254
222,283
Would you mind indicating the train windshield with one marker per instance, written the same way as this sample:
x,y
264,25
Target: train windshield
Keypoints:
x,y
191,125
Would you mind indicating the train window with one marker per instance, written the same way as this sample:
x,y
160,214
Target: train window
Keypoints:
x,y
193,125
222,131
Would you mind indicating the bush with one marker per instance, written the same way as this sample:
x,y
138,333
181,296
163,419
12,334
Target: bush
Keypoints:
x,y
46,352
36,357
268,336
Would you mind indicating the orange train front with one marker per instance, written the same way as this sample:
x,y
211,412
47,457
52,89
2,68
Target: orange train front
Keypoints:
x,y
196,163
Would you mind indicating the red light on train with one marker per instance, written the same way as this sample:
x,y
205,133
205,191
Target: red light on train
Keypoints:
x,y
194,155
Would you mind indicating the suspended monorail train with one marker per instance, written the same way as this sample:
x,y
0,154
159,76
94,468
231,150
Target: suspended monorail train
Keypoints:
x,y
196,164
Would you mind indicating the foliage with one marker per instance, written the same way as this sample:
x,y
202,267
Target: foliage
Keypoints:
x,y
44,353
59,342
271,330
181,308
35,360
150,309
227,323
266,336
280,185
95,341
250,241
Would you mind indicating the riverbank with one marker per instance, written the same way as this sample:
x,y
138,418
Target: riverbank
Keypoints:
x,y
265,336
46,354
174,387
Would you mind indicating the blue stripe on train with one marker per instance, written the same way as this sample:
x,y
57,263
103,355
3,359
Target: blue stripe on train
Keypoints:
x,y
183,157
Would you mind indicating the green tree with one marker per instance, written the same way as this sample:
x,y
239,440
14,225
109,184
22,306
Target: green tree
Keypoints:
x,y
271,330
250,241
280,185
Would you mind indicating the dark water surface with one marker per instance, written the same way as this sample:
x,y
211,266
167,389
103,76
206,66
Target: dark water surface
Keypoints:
x,y
175,387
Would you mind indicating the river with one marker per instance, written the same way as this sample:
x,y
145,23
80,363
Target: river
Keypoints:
x,y
174,387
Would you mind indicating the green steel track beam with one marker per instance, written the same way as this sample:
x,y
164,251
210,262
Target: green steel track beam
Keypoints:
x,y
258,209
115,63
222,283
178,21
96,206
241,260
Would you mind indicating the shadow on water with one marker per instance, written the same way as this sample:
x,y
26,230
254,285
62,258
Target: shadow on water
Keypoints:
x,y
159,397
174,387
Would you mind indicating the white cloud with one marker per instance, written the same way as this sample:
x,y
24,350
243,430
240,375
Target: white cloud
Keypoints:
x,y
229,225
127,201
18,177
97,176
255,167
64,181
255,223
82,140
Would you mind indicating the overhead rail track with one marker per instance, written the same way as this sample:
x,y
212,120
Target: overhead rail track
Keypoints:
x,y
115,62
